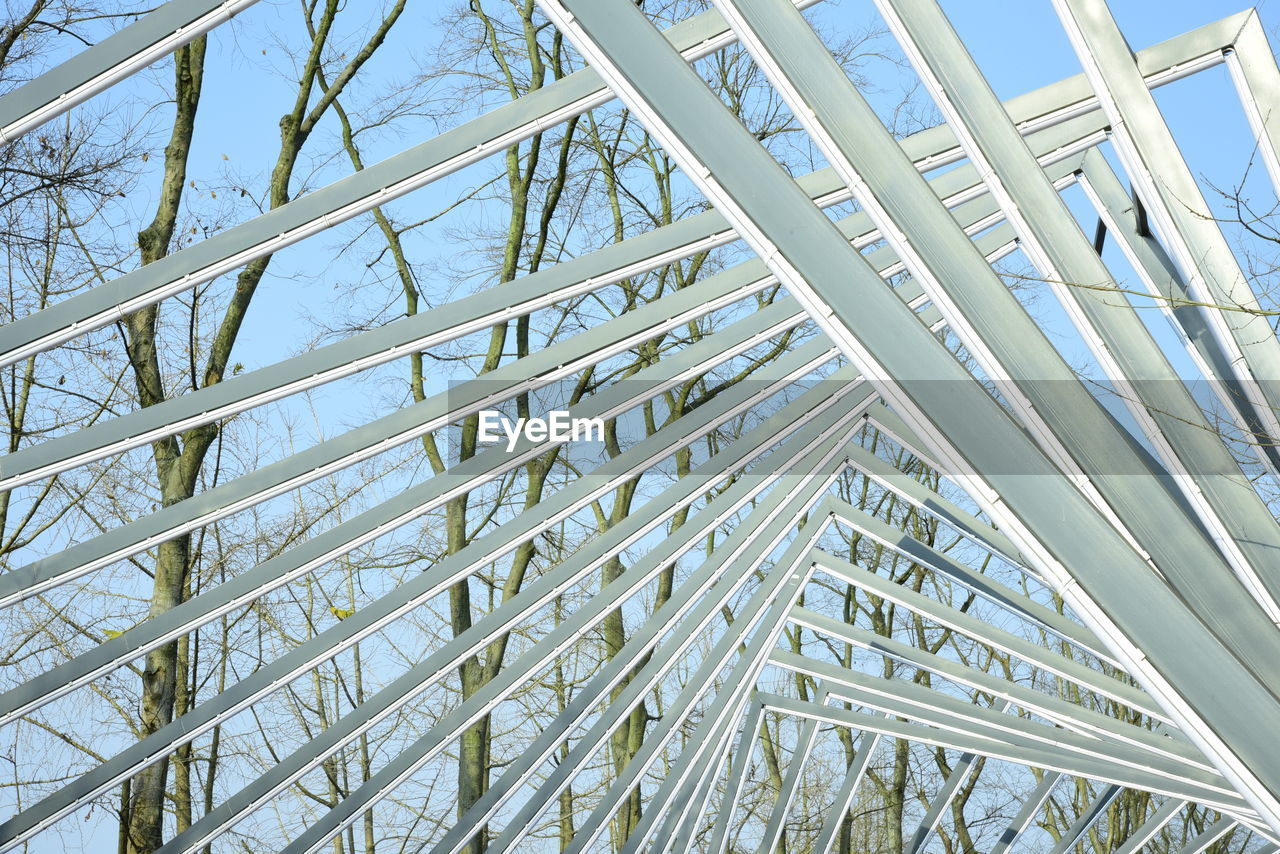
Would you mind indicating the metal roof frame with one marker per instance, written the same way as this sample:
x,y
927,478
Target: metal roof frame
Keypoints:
x,y
1164,560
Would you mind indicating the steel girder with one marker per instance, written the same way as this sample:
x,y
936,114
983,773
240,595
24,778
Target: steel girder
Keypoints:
x,y
1166,561
966,430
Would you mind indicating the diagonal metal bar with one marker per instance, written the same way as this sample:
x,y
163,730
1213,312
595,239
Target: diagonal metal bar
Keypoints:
x,y
1154,823
1067,422
773,514
537,370
567,280
97,68
1202,467
725,708
930,502
1080,828
1257,79
928,705
786,795
1210,835
720,834
356,194
1038,755
1026,814
493,132
844,795
942,800
1175,202
977,629
372,617
686,813
680,826
657,85
778,583
420,499
1169,291
903,544
1076,717
1166,557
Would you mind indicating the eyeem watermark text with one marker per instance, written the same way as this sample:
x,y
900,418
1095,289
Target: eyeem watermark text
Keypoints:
x,y
556,427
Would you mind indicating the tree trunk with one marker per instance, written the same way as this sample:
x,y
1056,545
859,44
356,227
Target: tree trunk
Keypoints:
x,y
177,478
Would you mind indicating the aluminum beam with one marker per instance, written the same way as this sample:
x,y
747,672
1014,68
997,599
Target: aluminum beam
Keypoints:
x,y
918,728
1201,465
473,141
786,795
1153,825
774,517
1075,717
959,188
720,835
418,500
374,616
1079,829
101,66
1068,423
1171,570
848,788
970,435
993,591
761,615
1026,814
1177,206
